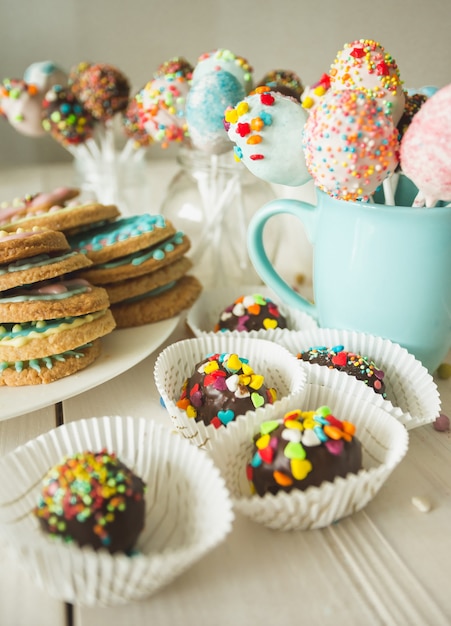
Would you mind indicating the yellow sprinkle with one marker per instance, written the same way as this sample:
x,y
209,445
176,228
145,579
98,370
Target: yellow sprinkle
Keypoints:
x,y
263,442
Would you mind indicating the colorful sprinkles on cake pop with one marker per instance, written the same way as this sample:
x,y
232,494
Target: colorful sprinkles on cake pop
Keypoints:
x,y
86,486
65,118
251,312
299,430
227,380
336,357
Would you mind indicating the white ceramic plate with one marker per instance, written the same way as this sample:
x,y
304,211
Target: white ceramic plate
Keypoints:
x,y
121,350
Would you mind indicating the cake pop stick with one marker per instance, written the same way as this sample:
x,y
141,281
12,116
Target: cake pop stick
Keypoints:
x,y
425,149
350,145
267,130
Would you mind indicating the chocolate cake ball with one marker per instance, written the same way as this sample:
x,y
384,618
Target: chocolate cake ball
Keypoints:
x,y
252,312
222,387
362,367
93,499
285,82
303,449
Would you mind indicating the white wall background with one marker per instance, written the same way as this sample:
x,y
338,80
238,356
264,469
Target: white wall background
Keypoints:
x,y
137,35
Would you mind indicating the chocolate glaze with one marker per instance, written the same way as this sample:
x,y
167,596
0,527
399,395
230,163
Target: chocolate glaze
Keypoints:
x,y
229,320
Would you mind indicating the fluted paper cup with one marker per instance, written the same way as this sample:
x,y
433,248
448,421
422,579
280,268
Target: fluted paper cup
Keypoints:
x,y
411,393
281,370
205,312
188,511
384,443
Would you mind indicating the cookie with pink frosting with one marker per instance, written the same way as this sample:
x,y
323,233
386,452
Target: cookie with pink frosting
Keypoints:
x,y
59,209
364,64
350,144
425,153
266,128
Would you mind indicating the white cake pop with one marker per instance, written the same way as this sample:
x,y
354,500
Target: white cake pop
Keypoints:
x,y
267,130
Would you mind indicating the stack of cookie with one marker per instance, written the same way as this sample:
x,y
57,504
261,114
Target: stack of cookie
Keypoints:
x,y
50,322
140,261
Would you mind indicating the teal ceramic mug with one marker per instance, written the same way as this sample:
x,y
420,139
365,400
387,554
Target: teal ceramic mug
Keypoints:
x,y
383,270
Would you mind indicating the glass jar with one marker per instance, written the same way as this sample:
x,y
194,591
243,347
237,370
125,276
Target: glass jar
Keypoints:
x,y
116,180
211,199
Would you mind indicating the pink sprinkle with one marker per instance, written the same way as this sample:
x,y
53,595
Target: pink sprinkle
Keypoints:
x,y
441,423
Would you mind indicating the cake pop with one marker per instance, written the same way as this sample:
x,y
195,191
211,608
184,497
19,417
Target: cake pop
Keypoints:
x,y
65,118
350,144
208,98
425,149
45,74
177,66
364,64
223,59
267,130
101,88
285,82
20,104
161,106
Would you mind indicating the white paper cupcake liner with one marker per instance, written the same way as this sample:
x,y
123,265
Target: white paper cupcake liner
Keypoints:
x,y
384,443
205,312
281,370
188,511
411,393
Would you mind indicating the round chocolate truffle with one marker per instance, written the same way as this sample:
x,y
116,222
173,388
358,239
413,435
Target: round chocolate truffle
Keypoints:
x,y
303,449
93,499
285,82
222,387
252,312
362,367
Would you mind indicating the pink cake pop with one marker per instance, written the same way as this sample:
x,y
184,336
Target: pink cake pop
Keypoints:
x,y
45,74
20,104
133,126
364,64
350,144
267,129
425,149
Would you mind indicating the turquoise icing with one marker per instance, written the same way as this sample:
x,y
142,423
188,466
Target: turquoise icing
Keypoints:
x,y
36,261
12,330
47,362
113,232
156,252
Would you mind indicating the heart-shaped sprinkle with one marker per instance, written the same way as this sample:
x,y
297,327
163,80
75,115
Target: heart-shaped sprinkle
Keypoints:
x,y
253,309
242,392
263,441
226,416
233,363
259,299
335,447
210,367
269,324
333,432
268,427
220,384
294,424
248,301
310,438
282,479
238,309
256,381
196,399
300,468
257,400
267,454
256,460
247,370
319,433
191,411
232,382
209,380
294,451
292,415
216,422
340,359
225,316
291,434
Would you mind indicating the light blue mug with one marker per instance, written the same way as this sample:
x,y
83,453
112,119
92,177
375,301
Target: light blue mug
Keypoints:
x,y
384,270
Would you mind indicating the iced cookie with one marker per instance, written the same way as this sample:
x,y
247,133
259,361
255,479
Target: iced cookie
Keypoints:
x,y
22,243
121,237
159,304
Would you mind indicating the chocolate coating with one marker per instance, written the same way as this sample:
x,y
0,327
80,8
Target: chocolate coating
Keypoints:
x,y
93,499
362,367
285,82
271,469
222,387
253,312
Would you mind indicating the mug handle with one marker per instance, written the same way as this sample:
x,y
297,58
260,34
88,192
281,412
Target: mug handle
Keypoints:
x,y
257,253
